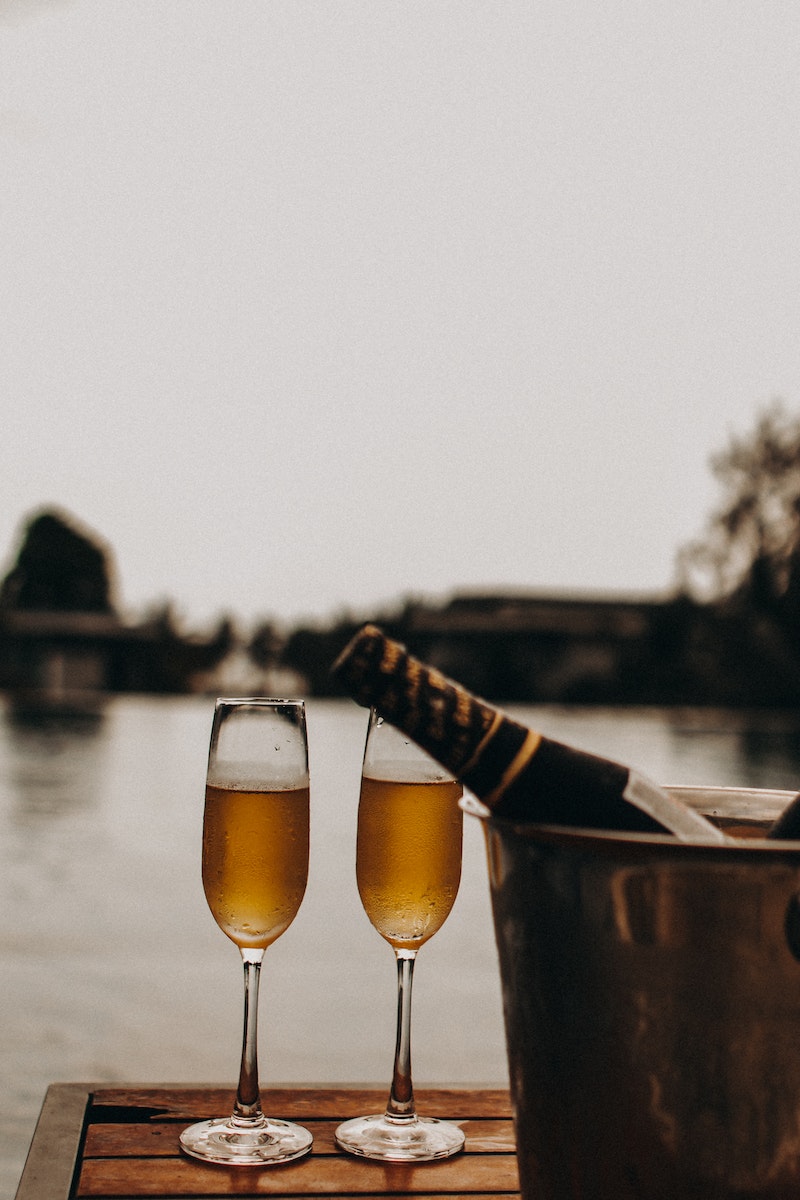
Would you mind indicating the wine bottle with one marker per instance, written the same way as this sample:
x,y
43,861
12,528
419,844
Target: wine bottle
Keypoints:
x,y
515,771
787,825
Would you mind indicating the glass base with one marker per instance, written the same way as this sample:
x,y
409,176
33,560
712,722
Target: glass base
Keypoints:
x,y
400,1139
235,1143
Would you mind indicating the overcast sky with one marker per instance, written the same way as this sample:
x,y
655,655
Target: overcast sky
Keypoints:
x,y
310,305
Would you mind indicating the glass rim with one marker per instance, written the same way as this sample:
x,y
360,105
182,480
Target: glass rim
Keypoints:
x,y
255,701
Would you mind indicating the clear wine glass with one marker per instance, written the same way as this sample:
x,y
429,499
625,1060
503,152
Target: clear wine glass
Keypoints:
x,y
408,867
255,868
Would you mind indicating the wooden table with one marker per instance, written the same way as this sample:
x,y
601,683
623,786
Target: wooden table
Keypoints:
x,y
122,1141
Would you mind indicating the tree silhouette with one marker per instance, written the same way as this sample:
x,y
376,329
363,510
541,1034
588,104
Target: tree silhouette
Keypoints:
x,y
57,569
750,556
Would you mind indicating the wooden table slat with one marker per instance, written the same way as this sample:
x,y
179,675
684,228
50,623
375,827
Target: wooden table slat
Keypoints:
x,y
317,1175
197,1103
160,1138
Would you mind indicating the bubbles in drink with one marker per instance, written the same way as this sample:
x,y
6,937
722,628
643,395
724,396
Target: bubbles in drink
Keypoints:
x,y
255,861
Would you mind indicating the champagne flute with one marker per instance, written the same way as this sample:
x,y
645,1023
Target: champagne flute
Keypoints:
x,y
408,867
255,868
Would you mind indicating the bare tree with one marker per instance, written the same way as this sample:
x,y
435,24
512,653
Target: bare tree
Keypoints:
x,y
751,552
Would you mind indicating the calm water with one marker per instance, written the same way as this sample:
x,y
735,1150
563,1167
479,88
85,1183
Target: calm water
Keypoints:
x,y
113,970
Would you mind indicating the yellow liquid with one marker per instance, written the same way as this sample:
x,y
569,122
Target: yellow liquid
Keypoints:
x,y
408,858
255,861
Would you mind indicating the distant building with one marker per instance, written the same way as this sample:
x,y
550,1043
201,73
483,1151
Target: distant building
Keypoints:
x,y
69,660
553,648
605,649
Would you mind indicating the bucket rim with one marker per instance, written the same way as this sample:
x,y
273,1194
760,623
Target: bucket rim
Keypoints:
x,y
726,805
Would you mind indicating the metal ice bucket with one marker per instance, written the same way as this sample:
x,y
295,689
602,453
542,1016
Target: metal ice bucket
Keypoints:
x,y
651,995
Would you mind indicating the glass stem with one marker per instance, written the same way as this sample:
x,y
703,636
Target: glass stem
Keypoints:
x,y
248,1099
401,1097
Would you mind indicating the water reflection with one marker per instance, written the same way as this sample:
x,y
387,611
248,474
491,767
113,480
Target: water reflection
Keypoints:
x,y
776,749
52,763
747,749
111,966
